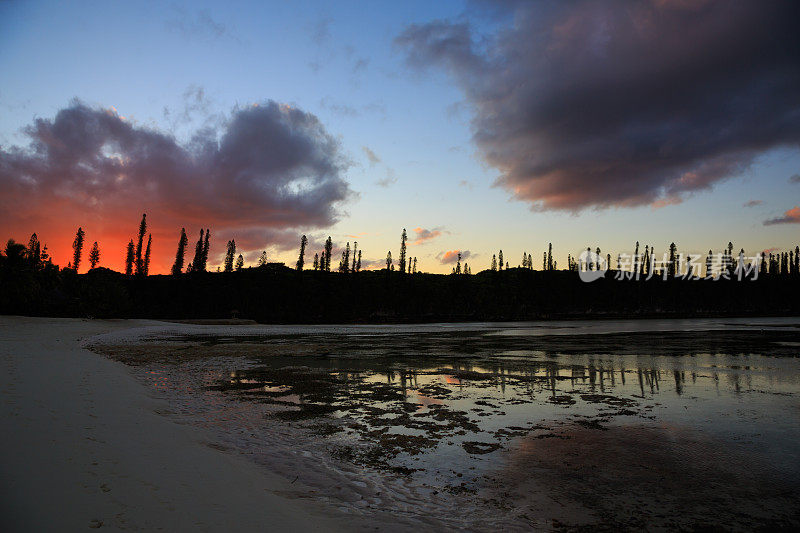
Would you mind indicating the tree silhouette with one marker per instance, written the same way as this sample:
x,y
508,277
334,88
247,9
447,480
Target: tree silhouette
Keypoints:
x,y
673,259
403,239
301,259
458,264
239,262
709,263
414,269
204,259
129,258
550,256
328,251
198,253
344,264
34,252
139,244
77,249
262,259
355,249
389,265
94,255
177,267
230,253
316,261
358,263
494,262
500,259
146,265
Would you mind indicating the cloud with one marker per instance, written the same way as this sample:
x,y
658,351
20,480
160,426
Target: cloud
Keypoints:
x,y
795,178
197,25
422,235
371,156
389,180
611,103
792,216
752,203
270,167
452,256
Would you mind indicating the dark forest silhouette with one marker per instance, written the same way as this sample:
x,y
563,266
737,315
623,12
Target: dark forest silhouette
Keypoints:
x,y
638,285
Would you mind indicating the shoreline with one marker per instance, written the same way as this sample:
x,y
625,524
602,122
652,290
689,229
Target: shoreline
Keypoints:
x,y
84,446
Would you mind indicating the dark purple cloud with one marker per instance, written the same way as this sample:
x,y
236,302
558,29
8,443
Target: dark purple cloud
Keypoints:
x,y
616,103
752,203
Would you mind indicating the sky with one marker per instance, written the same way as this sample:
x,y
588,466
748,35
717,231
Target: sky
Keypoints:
x,y
477,126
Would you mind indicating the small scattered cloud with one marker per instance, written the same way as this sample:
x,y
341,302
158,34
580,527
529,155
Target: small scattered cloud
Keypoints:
x,y
451,256
752,203
360,64
795,178
338,108
423,235
792,216
198,25
466,184
321,32
389,180
371,156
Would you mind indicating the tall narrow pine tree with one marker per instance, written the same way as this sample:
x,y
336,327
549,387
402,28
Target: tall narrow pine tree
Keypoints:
x,y
177,267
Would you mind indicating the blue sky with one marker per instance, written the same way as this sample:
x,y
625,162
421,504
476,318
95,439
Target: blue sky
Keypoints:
x,y
340,62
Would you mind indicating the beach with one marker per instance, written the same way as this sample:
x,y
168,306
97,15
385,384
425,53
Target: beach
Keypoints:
x,y
84,446
560,425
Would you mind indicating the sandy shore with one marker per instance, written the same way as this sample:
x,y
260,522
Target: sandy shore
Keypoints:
x,y
83,446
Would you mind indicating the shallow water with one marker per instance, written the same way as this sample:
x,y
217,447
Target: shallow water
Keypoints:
x,y
504,425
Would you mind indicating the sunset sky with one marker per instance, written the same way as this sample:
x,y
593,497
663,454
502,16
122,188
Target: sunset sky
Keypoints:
x,y
478,126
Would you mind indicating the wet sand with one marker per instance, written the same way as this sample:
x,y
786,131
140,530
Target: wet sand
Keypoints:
x,y
84,446
619,425
595,425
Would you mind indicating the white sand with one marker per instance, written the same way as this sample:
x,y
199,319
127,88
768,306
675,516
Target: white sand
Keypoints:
x,y
82,444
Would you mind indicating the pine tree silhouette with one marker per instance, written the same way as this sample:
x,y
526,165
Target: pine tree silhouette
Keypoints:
x,y
139,244
129,258
94,255
389,265
198,254
301,258
328,251
500,260
403,239
458,264
146,264
239,263
262,259
355,249
358,263
673,257
316,261
414,269
204,259
550,256
34,252
230,252
77,248
494,262
177,267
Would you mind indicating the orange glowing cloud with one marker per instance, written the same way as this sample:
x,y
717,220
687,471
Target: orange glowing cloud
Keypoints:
x,y
792,216
268,175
